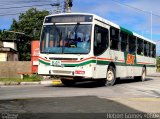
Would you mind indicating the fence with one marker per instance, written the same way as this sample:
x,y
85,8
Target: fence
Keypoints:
x,y
14,69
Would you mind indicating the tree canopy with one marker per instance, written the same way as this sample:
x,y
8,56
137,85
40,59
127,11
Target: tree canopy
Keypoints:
x,y
0,35
29,23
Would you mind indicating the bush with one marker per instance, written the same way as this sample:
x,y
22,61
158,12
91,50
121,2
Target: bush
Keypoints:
x,y
32,77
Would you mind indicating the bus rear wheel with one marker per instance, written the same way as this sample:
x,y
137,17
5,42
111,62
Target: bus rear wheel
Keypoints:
x,y
68,82
143,75
110,76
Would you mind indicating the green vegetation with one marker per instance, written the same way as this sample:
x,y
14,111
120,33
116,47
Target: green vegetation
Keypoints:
x,y
0,35
25,29
29,23
158,64
26,78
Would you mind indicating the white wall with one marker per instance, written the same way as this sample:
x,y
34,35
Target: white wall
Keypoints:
x,y
3,56
10,45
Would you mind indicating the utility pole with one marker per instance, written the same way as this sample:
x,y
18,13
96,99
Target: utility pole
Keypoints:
x,y
67,6
57,5
151,24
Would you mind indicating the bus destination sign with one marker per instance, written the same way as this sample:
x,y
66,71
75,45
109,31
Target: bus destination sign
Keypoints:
x,y
68,19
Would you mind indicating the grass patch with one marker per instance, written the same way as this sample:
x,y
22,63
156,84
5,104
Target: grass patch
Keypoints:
x,y
26,78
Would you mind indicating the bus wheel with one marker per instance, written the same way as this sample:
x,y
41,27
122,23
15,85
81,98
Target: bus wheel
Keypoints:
x,y
68,82
143,75
111,76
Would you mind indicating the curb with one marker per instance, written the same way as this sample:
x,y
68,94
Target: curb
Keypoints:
x,y
48,82
156,75
21,83
29,83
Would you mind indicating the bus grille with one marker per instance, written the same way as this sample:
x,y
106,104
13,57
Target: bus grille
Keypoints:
x,y
61,72
73,59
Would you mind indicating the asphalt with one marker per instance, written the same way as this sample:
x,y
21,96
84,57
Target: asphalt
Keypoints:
x,y
87,100
80,107
53,82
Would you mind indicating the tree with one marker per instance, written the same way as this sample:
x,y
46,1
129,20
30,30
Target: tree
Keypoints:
x,y
158,63
30,24
0,35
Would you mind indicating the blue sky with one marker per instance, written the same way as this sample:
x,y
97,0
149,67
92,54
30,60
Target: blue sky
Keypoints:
x,y
130,18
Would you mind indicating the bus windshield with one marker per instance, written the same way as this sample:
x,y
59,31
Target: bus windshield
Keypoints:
x,y
66,39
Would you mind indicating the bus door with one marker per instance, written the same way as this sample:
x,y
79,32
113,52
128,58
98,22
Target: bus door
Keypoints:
x,y
101,43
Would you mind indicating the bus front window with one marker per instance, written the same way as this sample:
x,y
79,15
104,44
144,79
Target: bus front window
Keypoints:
x,y
66,39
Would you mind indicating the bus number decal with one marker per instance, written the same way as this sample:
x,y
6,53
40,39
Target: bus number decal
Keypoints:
x,y
56,63
130,59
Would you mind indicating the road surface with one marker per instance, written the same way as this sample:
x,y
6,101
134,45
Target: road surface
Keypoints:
x,y
128,96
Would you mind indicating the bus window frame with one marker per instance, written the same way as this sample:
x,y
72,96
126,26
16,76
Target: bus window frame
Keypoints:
x,y
118,48
98,26
130,39
126,43
137,46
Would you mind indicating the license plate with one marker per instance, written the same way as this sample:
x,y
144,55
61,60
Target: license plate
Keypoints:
x,y
56,63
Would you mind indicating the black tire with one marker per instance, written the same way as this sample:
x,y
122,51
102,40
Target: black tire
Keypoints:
x,y
143,75
68,82
110,76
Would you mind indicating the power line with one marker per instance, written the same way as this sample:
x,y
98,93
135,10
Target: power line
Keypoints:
x,y
23,6
2,2
148,12
21,3
11,14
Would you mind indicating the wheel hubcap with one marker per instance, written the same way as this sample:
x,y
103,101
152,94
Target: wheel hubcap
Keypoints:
x,y
110,75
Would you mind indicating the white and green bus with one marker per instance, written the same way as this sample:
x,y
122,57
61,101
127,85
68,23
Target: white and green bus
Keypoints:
x,y
82,47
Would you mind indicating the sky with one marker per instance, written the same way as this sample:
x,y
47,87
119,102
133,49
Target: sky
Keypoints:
x,y
140,16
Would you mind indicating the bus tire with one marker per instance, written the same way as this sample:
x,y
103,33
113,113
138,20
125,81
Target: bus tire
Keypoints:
x,y
110,76
143,75
68,82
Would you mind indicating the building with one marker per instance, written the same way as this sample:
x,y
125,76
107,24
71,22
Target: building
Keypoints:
x,y
8,50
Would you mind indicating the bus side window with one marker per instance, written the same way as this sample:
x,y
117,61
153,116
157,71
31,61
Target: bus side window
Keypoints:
x,y
124,41
149,50
132,44
114,39
153,50
146,48
100,40
140,47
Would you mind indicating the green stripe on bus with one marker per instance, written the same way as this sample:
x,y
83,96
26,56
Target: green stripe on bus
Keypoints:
x,y
80,64
43,62
99,62
127,31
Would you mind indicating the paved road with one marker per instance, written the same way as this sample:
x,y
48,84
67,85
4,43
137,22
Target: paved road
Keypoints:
x,y
127,96
124,89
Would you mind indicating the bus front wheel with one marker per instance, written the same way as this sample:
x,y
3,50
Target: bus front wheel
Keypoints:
x,y
68,82
110,76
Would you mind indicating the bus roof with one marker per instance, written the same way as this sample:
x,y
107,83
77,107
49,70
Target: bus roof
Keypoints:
x,y
107,22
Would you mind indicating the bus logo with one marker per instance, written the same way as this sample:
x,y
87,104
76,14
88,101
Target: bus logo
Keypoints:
x,y
130,59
